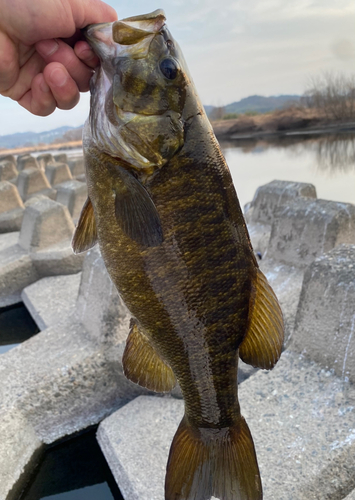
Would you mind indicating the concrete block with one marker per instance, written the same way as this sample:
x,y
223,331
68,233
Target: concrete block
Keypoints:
x,y
301,418
99,306
11,208
72,194
274,194
259,237
56,260
286,281
45,223
325,320
16,271
63,382
8,158
32,181
308,228
44,159
57,173
18,444
52,299
81,178
136,442
9,197
61,158
26,161
77,166
351,496
8,170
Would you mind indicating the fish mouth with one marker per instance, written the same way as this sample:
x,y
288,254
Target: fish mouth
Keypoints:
x,y
127,37
99,37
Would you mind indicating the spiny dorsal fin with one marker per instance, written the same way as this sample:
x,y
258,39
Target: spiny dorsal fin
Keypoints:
x,y
85,235
262,345
142,365
135,211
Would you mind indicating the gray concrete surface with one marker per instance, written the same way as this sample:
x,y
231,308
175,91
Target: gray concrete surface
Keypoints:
x,y
52,300
73,195
45,223
62,380
301,418
270,196
61,158
11,208
44,159
57,173
39,250
77,166
26,161
8,170
325,321
32,181
351,496
18,444
308,228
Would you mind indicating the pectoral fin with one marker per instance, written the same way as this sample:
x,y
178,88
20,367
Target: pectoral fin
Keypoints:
x,y
264,339
85,235
135,211
142,365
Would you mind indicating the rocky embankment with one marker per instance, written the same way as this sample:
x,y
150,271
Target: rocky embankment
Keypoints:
x,y
69,376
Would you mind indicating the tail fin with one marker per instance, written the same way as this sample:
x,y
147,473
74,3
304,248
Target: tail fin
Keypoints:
x,y
206,463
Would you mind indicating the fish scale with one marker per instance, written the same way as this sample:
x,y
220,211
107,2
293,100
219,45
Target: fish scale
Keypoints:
x,y
163,208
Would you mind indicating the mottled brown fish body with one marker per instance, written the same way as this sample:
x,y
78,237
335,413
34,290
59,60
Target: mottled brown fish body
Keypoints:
x,y
174,241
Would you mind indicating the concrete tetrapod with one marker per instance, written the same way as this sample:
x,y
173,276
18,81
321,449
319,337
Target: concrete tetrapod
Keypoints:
x,y
301,418
325,320
65,378
42,248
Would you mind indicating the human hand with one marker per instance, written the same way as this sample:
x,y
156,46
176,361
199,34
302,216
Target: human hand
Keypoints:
x,y
43,62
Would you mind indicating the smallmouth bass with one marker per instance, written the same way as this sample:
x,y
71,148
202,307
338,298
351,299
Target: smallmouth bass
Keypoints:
x,y
163,208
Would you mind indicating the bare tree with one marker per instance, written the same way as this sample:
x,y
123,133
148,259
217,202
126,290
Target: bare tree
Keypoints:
x,y
333,95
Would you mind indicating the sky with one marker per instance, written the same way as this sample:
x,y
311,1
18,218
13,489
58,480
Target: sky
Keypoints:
x,y
234,49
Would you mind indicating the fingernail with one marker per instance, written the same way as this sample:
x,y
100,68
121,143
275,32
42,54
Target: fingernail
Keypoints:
x,y
47,47
59,77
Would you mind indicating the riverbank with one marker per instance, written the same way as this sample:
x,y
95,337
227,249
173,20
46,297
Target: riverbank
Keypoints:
x,y
285,122
269,126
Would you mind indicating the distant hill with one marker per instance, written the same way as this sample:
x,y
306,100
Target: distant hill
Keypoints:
x,y
31,138
257,103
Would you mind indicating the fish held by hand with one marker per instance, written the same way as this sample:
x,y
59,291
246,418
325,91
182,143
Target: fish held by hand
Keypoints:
x,y
165,213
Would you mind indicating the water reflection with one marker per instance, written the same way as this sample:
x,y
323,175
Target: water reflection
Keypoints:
x,y
326,161
332,152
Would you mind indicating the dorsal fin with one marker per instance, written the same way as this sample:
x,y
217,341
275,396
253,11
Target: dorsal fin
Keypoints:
x,y
263,342
143,365
85,235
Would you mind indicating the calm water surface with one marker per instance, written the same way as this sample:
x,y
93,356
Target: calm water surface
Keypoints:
x,y
328,163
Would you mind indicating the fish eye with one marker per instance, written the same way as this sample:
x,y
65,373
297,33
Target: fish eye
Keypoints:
x,y
169,68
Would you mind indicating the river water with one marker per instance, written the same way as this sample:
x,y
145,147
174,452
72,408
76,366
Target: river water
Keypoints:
x,y
327,162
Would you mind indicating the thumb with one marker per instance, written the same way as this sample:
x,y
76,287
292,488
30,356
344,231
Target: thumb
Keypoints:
x,y
9,63
92,12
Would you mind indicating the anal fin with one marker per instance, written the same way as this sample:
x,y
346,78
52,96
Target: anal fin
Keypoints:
x,y
142,365
85,235
263,342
